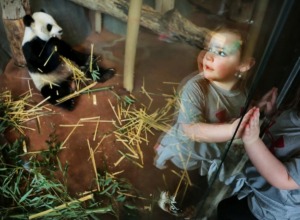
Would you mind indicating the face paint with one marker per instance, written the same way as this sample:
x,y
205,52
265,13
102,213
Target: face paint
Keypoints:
x,y
227,50
233,48
219,45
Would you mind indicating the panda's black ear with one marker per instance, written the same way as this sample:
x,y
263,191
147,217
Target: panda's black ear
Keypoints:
x,y
42,10
27,20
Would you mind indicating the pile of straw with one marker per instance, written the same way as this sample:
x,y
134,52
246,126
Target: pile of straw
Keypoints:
x,y
134,125
16,112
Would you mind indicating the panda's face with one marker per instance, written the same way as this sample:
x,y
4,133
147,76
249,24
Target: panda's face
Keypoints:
x,y
44,26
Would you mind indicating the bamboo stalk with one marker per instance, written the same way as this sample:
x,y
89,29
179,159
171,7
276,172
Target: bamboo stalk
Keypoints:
x,y
38,124
119,161
94,100
96,129
113,108
134,162
29,88
178,185
94,164
98,89
91,59
133,196
184,164
53,51
116,173
128,147
63,143
71,125
140,153
100,143
76,93
147,94
89,119
44,213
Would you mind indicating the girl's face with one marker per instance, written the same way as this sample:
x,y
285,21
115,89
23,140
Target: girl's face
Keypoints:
x,y
222,58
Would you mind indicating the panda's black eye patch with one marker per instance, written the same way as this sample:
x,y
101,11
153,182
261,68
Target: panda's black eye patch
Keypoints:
x,y
49,27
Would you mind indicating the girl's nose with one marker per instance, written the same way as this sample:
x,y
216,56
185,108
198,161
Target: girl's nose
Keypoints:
x,y
209,56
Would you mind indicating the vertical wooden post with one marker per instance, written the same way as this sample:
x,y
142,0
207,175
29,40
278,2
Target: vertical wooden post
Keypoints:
x,y
12,13
164,5
98,22
255,30
131,42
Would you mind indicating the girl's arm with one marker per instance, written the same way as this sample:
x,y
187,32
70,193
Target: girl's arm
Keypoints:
x,y
213,133
272,169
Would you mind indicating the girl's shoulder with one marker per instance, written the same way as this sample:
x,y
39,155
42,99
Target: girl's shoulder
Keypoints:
x,y
195,79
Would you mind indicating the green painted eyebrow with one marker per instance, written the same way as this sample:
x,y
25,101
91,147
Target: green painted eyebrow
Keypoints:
x,y
234,47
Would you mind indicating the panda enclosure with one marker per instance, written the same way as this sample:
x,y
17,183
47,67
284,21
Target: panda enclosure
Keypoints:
x,y
151,65
162,60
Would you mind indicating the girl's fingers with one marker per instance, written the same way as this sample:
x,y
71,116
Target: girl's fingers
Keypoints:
x,y
267,95
257,113
274,95
255,118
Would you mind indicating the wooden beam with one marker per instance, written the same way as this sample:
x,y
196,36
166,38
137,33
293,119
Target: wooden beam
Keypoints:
x,y
171,23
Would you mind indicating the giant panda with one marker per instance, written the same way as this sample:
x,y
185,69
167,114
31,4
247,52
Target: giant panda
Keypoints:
x,y
42,48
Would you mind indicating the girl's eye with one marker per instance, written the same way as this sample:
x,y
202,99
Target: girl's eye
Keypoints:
x,y
216,51
222,53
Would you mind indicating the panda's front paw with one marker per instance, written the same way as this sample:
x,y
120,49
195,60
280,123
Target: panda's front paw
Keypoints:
x,y
53,93
100,74
69,104
106,74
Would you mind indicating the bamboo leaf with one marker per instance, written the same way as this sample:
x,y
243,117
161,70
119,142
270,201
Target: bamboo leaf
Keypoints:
x,y
130,207
25,196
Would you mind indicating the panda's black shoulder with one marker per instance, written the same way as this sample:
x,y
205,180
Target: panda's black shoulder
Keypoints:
x,y
35,45
27,20
39,56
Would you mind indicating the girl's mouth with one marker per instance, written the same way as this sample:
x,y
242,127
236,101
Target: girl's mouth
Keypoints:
x,y
206,67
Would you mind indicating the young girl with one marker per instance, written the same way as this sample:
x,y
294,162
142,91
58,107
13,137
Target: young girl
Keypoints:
x,y
271,187
209,101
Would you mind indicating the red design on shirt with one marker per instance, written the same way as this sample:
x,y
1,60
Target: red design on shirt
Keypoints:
x,y
221,116
279,143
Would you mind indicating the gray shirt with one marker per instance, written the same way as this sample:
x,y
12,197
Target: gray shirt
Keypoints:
x,y
200,101
265,201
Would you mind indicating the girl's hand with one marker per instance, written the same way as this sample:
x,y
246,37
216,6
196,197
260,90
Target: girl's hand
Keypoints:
x,y
268,102
244,122
251,133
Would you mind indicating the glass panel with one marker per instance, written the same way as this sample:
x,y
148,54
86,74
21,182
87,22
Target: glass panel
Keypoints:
x,y
273,71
